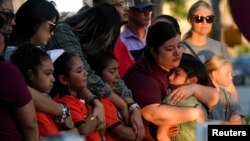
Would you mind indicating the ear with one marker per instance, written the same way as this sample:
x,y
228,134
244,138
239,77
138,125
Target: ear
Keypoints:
x,y
30,74
190,21
192,80
63,79
153,52
214,74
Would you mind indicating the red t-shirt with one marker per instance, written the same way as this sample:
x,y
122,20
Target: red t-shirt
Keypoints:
x,y
123,56
112,120
46,124
79,112
13,94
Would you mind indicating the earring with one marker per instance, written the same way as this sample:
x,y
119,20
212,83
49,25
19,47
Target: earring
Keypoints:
x,y
67,84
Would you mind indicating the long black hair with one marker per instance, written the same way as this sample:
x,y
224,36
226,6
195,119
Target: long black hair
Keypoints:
x,y
29,17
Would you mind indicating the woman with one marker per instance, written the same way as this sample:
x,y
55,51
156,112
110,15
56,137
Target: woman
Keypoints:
x,y
91,32
35,22
18,119
196,41
148,79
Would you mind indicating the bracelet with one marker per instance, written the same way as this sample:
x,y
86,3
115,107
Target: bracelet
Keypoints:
x,y
133,106
64,114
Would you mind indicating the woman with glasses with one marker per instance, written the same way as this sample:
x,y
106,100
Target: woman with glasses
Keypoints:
x,y
197,42
35,21
200,17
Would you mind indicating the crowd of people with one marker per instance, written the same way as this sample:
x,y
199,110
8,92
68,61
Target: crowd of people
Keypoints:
x,y
106,73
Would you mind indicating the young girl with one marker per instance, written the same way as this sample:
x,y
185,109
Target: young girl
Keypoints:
x,y
189,71
70,79
106,66
37,69
228,108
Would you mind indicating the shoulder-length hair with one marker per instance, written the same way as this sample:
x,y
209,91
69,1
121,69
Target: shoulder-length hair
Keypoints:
x,y
29,17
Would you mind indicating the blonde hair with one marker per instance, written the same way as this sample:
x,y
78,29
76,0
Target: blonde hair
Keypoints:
x,y
197,5
216,62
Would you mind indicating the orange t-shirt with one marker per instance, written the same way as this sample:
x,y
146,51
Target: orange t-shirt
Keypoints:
x,y
112,120
79,112
46,124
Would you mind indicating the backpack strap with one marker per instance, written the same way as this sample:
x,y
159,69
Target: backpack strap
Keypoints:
x,y
192,51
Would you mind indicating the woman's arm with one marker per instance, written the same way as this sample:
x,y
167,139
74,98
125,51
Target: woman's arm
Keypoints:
x,y
44,103
170,115
27,121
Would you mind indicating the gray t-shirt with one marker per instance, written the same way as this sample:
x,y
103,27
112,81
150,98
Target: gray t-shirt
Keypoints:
x,y
212,48
227,106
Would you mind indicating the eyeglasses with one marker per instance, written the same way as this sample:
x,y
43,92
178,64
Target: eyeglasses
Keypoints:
x,y
142,10
8,15
200,19
52,26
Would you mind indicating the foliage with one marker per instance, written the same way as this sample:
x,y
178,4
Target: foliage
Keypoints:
x,y
178,7
243,49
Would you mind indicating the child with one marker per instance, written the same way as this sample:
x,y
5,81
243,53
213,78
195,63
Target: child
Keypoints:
x,y
106,66
228,108
190,71
37,69
70,79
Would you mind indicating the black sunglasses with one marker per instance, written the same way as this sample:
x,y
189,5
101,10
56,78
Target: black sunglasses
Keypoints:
x,y
142,10
51,26
8,15
200,19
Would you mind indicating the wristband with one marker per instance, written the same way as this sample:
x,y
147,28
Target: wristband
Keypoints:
x,y
64,114
133,106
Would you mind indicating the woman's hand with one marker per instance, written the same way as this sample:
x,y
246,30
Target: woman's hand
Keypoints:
x,y
137,124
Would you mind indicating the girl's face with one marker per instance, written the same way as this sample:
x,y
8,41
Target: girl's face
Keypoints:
x,y
179,77
223,76
110,74
169,54
43,33
43,79
200,21
77,77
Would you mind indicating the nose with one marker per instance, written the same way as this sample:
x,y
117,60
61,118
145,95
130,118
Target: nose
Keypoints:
x,y
53,79
117,76
85,73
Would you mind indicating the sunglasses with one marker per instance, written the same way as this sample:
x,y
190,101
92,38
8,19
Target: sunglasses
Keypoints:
x,y
8,15
142,10
51,26
200,19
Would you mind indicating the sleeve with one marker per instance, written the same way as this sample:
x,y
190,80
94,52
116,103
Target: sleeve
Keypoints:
x,y
111,114
123,90
46,125
64,38
13,88
145,88
224,51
